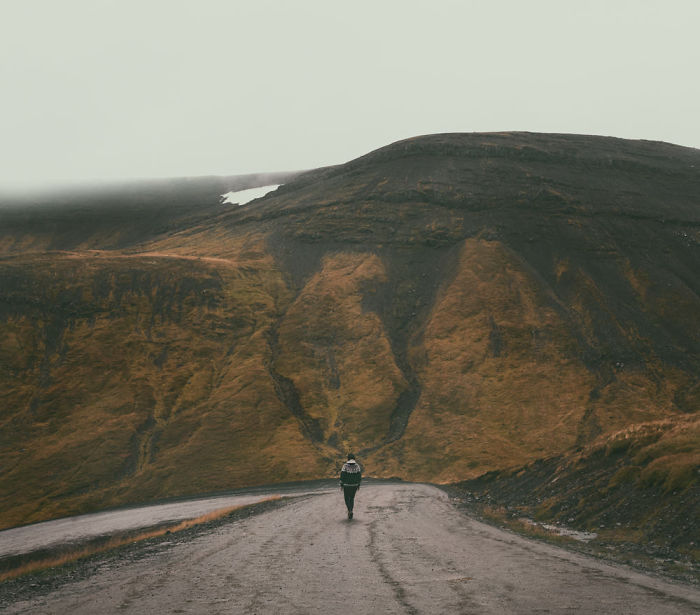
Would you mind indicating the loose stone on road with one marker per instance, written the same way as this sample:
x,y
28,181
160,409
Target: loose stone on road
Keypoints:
x,y
408,550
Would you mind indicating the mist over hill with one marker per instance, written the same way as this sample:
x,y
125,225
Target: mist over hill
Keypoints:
x,y
447,306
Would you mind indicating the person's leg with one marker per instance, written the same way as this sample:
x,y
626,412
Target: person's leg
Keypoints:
x,y
349,493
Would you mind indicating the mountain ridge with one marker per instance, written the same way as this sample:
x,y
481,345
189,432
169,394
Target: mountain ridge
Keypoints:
x,y
449,305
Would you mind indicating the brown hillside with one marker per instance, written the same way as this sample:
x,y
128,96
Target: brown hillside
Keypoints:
x,y
446,306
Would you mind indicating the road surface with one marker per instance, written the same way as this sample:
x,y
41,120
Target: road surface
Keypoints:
x,y
408,550
81,528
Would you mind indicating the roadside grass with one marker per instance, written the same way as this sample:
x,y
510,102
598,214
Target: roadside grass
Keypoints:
x,y
502,517
619,546
636,491
24,567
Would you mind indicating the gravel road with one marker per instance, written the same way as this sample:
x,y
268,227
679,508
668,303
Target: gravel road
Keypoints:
x,y
408,550
79,529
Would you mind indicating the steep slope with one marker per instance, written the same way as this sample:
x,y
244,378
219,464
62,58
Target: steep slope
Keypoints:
x,y
446,306
635,490
137,377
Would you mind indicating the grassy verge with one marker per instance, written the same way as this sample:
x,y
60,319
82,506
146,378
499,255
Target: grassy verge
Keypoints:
x,y
618,546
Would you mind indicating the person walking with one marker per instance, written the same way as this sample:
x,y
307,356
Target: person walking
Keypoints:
x,y
350,478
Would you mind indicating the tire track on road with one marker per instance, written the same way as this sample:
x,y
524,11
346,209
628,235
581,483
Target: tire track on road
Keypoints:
x,y
376,557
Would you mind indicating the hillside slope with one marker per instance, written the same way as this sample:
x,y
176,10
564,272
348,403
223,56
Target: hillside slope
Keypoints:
x,y
446,306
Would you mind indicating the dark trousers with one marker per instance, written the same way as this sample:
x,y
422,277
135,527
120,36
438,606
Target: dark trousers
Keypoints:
x,y
349,493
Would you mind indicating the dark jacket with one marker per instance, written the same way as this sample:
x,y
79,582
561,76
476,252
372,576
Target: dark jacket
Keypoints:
x,y
351,474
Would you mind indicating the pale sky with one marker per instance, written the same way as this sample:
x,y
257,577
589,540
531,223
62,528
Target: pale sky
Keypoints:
x,y
102,89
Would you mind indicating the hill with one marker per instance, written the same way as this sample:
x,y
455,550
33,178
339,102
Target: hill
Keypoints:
x,y
447,306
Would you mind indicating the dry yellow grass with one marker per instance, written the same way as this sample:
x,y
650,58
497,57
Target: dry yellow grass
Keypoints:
x,y
338,355
499,384
157,364
146,375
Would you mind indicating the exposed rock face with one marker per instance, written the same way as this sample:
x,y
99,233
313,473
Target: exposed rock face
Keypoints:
x,y
445,306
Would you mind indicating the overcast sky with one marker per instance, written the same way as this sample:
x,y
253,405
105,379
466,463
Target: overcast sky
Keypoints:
x,y
101,89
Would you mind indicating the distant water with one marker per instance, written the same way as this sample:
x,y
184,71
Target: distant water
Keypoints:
x,y
245,196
